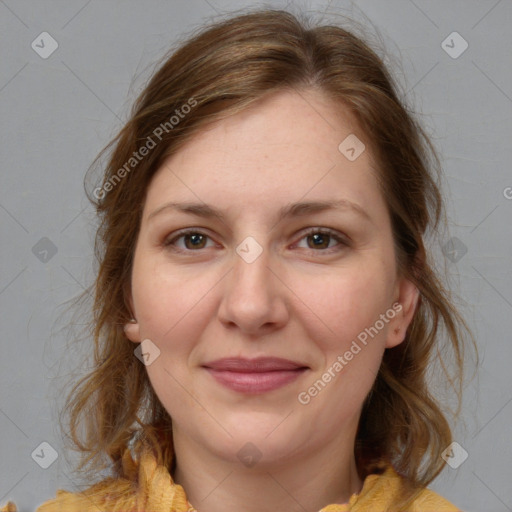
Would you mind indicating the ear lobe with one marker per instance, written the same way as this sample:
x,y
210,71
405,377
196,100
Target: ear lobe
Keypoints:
x,y
408,300
131,328
132,331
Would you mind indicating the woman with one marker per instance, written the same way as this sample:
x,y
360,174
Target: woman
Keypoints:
x,y
265,308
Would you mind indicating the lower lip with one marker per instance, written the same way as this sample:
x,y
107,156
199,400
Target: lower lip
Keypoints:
x,y
255,382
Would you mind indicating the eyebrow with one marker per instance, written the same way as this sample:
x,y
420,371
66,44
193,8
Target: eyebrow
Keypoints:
x,y
291,210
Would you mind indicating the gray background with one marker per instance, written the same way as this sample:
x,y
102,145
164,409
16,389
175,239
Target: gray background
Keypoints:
x,y
57,113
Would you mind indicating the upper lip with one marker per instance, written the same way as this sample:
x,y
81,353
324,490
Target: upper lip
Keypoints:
x,y
259,364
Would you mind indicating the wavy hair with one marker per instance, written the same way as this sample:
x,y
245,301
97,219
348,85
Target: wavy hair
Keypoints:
x,y
217,72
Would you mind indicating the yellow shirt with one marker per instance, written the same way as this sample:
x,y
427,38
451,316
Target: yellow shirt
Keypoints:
x,y
150,488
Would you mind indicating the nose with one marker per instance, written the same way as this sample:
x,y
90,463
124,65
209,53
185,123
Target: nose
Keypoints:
x,y
254,300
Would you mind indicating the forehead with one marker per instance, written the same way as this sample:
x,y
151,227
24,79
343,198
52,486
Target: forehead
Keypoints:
x,y
282,149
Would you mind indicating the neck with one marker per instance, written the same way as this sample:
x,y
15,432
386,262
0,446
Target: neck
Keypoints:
x,y
306,481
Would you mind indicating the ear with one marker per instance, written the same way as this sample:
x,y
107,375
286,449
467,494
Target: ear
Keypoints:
x,y
407,299
132,331
131,328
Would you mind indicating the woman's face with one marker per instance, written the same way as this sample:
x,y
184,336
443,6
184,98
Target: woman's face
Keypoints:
x,y
257,276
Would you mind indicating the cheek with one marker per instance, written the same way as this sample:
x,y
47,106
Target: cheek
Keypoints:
x,y
347,306
341,305
170,303
173,310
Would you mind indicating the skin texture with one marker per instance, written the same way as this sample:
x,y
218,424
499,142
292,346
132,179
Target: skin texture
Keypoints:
x,y
294,301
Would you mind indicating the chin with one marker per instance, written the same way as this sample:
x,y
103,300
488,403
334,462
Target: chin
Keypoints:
x,y
266,441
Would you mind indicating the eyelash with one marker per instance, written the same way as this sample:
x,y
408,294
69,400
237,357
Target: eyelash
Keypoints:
x,y
343,242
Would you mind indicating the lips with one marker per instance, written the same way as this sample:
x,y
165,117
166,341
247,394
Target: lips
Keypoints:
x,y
258,365
254,376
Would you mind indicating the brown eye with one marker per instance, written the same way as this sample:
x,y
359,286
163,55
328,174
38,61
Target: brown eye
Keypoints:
x,y
187,241
194,241
319,241
323,240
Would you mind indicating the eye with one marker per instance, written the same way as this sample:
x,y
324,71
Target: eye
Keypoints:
x,y
323,238
317,239
193,239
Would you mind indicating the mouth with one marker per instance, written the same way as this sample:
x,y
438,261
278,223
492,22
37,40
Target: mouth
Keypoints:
x,y
254,376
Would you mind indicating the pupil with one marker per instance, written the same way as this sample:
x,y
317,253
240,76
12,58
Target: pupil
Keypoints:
x,y
195,239
319,239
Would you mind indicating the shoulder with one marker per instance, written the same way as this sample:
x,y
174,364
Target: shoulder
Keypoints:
x,y
146,486
383,490
107,496
429,501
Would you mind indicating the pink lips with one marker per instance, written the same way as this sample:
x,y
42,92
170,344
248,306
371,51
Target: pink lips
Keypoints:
x,y
254,375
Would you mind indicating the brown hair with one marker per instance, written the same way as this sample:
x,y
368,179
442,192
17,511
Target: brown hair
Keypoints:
x,y
218,72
